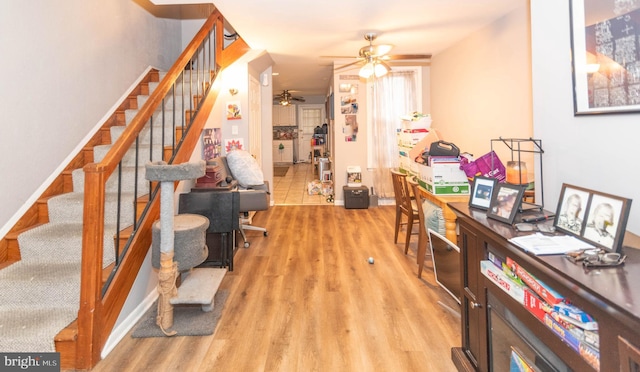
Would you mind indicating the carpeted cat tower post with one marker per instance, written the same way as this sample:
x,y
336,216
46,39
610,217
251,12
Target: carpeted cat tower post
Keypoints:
x,y
178,246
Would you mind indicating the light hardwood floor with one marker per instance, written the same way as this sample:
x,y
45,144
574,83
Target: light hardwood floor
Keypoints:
x,y
306,299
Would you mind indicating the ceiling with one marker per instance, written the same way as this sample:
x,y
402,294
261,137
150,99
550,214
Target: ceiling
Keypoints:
x,y
297,33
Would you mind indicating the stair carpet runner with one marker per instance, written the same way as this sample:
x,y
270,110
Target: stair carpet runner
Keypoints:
x,y
40,294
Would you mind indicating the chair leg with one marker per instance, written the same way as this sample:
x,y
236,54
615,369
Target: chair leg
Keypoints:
x,y
421,252
398,217
245,224
408,237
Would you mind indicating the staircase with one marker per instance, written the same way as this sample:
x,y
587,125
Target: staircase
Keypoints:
x,y
70,262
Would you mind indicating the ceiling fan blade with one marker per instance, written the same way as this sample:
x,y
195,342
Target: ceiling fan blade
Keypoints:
x,y
392,57
385,65
400,63
340,57
347,65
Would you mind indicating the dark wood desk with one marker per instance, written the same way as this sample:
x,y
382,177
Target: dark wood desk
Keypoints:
x,y
610,295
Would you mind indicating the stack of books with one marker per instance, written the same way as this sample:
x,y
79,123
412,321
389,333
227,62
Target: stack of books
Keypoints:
x,y
572,325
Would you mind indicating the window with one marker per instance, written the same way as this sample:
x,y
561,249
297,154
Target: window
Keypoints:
x,y
394,95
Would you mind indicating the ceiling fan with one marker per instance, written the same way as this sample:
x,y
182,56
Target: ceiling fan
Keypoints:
x,y
285,98
374,58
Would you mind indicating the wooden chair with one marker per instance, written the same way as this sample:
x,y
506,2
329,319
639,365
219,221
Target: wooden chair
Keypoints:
x,y
405,205
422,231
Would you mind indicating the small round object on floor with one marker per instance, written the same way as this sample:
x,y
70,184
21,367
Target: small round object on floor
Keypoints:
x,y
247,244
371,260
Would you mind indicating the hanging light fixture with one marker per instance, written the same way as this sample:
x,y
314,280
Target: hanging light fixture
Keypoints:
x,y
373,67
367,70
286,98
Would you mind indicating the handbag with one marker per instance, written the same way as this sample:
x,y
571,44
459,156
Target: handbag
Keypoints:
x,y
488,165
442,148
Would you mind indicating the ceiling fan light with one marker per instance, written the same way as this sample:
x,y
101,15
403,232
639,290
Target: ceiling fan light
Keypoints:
x,y
380,69
367,70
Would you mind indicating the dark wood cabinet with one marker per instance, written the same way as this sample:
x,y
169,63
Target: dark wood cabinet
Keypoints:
x,y
473,313
494,324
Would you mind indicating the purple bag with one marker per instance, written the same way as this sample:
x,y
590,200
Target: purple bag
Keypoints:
x,y
488,165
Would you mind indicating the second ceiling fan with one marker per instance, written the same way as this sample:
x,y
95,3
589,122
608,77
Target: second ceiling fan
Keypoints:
x,y
285,98
374,58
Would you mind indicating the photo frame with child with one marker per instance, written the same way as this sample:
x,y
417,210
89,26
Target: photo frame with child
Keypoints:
x,y
505,202
595,217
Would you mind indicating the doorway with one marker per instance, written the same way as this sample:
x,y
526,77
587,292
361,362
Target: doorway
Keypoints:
x,y
310,117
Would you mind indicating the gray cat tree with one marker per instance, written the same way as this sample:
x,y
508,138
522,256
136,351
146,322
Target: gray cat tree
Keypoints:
x,y
178,246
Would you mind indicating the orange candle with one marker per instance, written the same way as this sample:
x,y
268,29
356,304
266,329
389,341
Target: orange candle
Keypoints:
x,y
517,173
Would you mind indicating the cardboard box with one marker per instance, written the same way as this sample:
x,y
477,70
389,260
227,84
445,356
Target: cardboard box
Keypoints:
x,y
424,143
404,161
443,178
412,137
547,293
499,278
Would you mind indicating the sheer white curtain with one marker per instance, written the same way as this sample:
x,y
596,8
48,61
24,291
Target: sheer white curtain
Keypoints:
x,y
394,95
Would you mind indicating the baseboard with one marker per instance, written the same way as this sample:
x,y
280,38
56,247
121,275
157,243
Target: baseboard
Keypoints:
x,y
128,323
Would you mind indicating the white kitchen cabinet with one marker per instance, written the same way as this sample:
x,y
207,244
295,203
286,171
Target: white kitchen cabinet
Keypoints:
x,y
284,154
284,116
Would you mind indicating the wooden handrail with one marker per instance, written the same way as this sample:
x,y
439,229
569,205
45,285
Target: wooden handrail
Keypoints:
x,y
97,314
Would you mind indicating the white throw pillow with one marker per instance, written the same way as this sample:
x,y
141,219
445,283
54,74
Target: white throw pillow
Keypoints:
x,y
245,168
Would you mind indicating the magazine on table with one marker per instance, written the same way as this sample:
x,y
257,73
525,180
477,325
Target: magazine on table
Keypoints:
x,y
540,244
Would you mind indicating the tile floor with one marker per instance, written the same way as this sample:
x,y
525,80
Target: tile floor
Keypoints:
x,y
292,189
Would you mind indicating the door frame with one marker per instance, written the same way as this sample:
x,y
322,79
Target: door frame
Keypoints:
x,y
302,155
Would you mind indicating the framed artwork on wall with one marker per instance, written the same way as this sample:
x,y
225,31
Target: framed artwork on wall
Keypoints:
x,y
605,56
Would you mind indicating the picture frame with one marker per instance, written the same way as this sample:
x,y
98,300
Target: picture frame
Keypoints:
x,y
481,192
571,209
505,202
604,59
595,217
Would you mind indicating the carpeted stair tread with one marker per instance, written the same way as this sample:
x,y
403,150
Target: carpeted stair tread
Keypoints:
x,y
43,289
39,295
60,242
145,134
68,208
36,301
100,151
157,116
127,185
28,330
173,103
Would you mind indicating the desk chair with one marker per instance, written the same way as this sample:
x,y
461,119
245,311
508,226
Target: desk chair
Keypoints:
x,y
241,172
422,231
405,206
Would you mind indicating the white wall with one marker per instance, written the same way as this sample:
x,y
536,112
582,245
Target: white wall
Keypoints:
x,y
481,86
65,66
349,153
594,151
